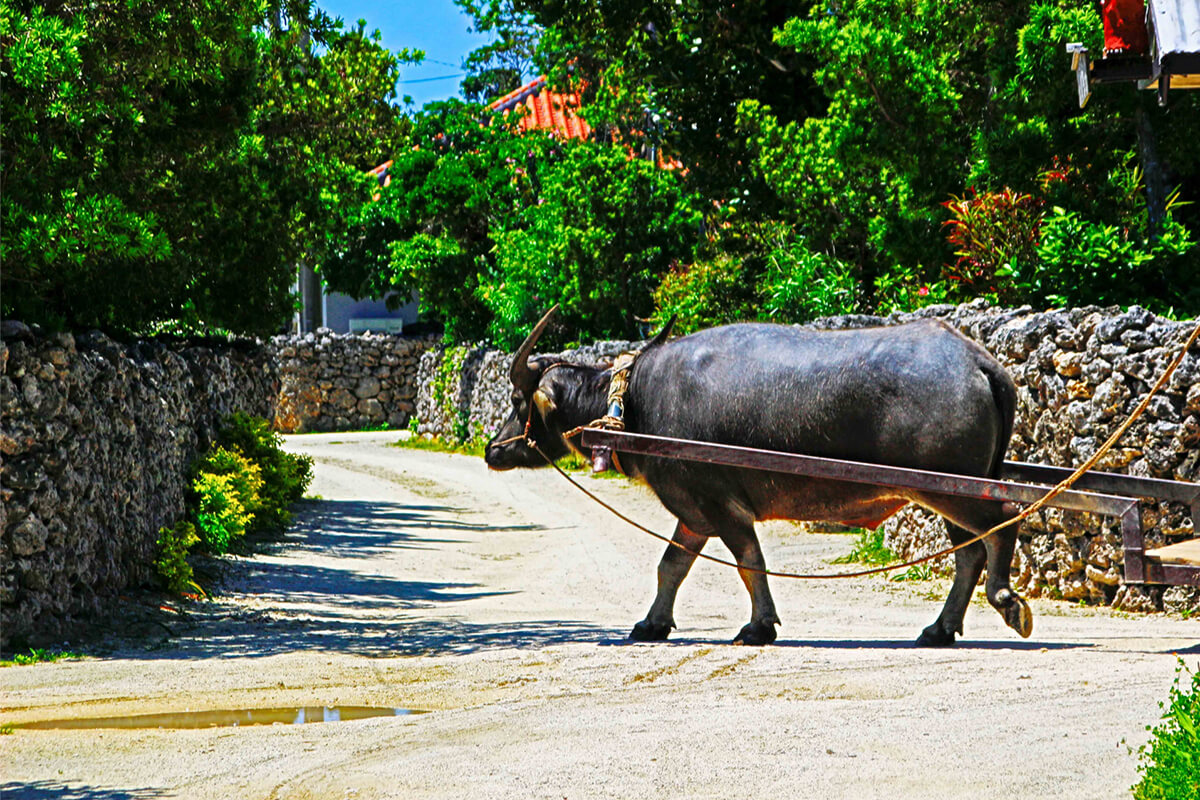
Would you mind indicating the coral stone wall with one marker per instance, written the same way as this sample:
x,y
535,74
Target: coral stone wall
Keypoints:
x,y
464,392
1079,374
97,437
339,382
96,440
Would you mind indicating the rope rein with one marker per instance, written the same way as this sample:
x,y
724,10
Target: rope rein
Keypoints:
x,y
1058,489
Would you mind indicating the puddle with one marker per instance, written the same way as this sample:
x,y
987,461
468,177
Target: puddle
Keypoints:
x,y
225,719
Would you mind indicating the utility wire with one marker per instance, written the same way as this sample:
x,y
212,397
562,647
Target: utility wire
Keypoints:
x,y
438,78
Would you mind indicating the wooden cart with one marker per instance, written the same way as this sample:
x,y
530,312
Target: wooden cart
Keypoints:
x,y
1102,493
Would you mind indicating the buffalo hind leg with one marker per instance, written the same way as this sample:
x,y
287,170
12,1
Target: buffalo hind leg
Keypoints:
x,y
965,519
743,543
968,566
672,569
1012,606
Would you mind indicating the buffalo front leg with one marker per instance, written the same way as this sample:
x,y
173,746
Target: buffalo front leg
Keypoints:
x,y
743,543
672,569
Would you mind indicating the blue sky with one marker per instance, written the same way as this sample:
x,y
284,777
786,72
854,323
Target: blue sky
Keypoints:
x,y
436,26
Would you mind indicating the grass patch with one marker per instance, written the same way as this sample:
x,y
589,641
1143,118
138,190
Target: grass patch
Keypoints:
x,y
572,462
41,656
472,447
1170,761
7,730
868,549
914,574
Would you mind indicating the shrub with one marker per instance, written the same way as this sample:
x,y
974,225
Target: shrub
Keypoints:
x,y
801,285
1084,262
285,477
245,477
995,236
220,515
706,293
171,564
1170,765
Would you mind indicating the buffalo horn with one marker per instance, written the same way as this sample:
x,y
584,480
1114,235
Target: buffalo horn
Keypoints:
x,y
522,376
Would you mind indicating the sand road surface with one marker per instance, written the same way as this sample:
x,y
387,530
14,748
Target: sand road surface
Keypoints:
x,y
500,605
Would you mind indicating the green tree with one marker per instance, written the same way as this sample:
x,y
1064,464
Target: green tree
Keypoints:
x,y
491,228
173,163
927,100
599,237
431,230
668,75
506,63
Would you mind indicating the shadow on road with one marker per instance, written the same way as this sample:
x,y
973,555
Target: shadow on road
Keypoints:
x,y
284,602
359,529
54,790
864,644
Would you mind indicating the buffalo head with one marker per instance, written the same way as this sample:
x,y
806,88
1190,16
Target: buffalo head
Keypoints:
x,y
532,405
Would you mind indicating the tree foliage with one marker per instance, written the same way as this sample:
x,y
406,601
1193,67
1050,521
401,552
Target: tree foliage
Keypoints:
x,y
669,74
931,101
504,64
175,162
491,228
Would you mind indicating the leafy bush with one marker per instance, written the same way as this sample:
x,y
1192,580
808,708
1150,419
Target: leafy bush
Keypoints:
x,y
245,477
995,236
285,477
173,546
243,483
707,293
801,285
1170,765
1082,262
220,515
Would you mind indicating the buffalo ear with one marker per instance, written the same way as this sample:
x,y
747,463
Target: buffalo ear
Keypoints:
x,y
545,405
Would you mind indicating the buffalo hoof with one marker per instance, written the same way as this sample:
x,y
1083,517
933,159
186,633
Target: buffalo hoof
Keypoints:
x,y
647,631
756,634
935,636
1017,615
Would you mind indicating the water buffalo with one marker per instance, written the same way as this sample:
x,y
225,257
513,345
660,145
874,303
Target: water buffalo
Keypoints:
x,y
919,395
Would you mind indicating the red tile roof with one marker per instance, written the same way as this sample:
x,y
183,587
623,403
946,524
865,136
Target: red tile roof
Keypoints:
x,y
545,109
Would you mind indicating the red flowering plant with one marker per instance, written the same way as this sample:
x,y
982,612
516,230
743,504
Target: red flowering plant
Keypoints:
x,y
995,235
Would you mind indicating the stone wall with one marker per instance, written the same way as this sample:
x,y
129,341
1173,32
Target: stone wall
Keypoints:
x,y
463,392
97,437
96,441
338,382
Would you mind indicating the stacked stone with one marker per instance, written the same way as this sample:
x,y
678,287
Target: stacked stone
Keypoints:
x,y
97,438
339,382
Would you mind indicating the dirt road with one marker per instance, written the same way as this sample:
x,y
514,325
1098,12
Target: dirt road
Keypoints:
x,y
500,603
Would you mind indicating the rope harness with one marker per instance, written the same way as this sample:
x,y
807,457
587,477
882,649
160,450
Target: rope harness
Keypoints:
x,y
611,420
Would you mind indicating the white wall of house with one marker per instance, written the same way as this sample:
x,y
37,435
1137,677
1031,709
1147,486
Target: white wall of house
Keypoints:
x,y
320,308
